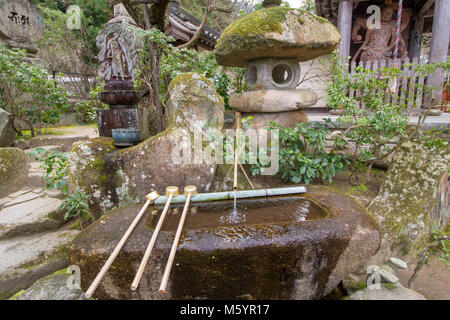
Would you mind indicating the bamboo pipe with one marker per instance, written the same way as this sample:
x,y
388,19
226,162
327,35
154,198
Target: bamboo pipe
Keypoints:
x,y
150,197
170,192
236,154
188,192
229,195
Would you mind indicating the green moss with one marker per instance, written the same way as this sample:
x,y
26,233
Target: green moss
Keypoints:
x,y
359,285
447,229
98,165
321,20
187,79
5,295
75,225
16,295
389,286
258,22
56,215
62,271
360,188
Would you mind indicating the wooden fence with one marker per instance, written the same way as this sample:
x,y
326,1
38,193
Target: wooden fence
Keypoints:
x,y
405,89
77,85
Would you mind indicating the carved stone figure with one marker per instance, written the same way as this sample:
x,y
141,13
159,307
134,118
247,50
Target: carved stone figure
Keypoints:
x,y
117,52
330,10
379,42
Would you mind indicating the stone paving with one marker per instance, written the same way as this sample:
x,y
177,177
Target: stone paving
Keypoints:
x,y
32,236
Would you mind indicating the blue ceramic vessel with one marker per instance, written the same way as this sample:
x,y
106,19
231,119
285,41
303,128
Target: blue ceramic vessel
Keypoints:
x,y
126,137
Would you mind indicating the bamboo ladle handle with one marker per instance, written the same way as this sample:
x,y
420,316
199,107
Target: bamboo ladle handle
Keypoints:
x,y
152,196
171,192
189,191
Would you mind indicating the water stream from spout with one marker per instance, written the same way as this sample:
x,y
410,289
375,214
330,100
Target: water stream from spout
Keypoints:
x,y
235,209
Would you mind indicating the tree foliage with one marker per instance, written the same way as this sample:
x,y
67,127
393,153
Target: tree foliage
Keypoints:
x,y
303,156
373,123
175,61
28,92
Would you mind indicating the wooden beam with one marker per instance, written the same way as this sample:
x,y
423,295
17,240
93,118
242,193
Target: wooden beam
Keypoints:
x,y
439,45
425,8
345,26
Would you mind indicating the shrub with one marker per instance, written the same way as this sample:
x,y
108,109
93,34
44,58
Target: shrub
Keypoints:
x,y
55,164
374,124
28,93
76,206
302,154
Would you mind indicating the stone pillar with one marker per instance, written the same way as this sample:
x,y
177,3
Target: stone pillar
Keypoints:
x,y
345,26
439,49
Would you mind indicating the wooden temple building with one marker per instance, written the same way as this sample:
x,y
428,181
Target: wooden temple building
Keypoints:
x,y
363,40
183,25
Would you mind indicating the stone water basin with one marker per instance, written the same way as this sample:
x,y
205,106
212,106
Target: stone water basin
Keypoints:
x,y
254,211
286,247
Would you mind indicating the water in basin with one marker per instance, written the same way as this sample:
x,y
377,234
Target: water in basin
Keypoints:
x,y
249,211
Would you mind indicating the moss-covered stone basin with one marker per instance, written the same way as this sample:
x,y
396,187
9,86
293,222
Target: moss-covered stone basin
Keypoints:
x,y
276,254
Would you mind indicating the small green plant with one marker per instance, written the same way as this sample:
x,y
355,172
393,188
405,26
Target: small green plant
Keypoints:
x,y
302,154
55,164
76,206
361,188
389,286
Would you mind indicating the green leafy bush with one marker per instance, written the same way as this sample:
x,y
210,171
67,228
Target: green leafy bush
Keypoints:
x,y
28,93
302,154
55,164
76,206
373,123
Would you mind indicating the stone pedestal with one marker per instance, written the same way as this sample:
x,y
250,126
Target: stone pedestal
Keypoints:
x,y
132,118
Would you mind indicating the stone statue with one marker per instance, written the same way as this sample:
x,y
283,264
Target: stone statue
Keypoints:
x,y
379,43
117,46
330,10
116,54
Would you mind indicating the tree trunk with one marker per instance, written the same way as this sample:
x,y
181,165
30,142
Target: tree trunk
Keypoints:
x,y
157,15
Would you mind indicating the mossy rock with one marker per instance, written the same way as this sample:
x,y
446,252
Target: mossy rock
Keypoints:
x,y
413,200
119,177
276,32
278,260
89,173
13,170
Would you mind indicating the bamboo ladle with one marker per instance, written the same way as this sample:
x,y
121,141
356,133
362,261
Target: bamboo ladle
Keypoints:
x,y
170,192
149,198
189,191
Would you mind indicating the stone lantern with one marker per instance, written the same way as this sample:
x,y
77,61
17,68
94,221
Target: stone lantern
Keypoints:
x,y
270,43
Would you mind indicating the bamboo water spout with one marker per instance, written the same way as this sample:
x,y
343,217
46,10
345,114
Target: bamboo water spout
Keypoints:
x,y
149,198
189,191
229,195
170,192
